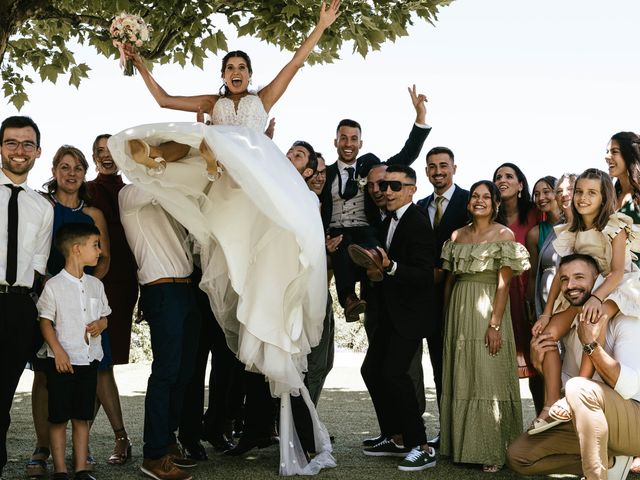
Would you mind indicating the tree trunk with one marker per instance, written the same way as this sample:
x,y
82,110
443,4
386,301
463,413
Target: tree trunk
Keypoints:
x,y
12,12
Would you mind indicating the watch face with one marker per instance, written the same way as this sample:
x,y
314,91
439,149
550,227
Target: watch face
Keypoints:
x,y
589,347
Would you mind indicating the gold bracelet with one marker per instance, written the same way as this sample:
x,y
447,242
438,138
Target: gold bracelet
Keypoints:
x,y
495,327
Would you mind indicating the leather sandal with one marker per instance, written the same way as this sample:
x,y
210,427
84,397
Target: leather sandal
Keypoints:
x,y
141,151
37,467
561,410
539,425
122,449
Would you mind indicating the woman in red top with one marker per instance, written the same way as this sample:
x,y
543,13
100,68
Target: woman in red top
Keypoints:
x,y
520,216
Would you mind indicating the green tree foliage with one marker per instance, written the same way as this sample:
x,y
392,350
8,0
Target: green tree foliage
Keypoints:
x,y
35,35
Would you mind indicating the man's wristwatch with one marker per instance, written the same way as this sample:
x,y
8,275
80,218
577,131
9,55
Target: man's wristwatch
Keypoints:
x,y
589,348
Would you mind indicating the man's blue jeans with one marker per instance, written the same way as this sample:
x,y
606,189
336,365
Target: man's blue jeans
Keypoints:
x,y
174,321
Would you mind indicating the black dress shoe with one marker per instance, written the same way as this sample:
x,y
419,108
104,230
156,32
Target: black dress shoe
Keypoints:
x,y
245,445
220,443
370,442
435,441
194,451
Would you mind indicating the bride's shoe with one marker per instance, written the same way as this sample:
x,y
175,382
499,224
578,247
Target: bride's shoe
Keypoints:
x,y
140,151
214,169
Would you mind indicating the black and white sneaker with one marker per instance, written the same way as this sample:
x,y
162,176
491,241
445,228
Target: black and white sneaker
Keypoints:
x,y
386,448
418,459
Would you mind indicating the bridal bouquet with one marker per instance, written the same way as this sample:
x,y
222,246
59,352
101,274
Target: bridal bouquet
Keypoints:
x,y
131,30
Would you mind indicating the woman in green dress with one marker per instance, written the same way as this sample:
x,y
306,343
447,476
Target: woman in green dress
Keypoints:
x,y
481,410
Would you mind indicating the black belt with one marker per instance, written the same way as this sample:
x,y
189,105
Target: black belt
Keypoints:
x,y
12,289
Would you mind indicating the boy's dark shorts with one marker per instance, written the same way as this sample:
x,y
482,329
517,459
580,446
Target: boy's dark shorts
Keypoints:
x,y
71,395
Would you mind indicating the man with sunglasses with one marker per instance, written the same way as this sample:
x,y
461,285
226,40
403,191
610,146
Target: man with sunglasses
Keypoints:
x,y
26,224
404,301
375,177
347,211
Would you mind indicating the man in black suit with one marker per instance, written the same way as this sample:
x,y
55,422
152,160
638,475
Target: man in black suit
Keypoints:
x,y
346,210
405,303
447,209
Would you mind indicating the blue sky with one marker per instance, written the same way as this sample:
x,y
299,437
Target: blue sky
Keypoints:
x,y
542,84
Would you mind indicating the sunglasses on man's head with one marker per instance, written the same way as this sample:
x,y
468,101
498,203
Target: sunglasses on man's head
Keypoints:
x,y
394,185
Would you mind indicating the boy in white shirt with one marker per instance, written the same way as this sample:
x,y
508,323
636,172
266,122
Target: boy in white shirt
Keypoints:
x,y
73,310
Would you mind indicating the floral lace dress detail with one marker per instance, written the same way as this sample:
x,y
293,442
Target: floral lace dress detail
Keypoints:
x,y
597,244
250,113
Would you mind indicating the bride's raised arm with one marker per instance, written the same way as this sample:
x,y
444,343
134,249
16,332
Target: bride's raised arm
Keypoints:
x,y
195,103
272,92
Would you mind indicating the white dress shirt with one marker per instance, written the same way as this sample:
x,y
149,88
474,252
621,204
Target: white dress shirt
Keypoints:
x,y
621,343
157,240
72,303
35,227
431,208
344,175
394,223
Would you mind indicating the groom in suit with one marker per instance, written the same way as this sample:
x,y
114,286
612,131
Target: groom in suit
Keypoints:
x,y
447,208
405,306
347,210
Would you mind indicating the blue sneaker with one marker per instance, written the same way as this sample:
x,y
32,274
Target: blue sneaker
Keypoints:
x,y
418,459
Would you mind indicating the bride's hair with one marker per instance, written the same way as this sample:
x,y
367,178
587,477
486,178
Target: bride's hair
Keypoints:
x,y
224,91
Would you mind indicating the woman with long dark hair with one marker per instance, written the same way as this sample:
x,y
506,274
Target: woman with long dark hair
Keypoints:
x,y
623,160
520,216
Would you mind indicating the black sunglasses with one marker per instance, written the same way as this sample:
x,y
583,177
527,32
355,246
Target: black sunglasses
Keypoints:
x,y
395,185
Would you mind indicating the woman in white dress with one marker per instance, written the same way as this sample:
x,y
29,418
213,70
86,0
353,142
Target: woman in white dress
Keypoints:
x,y
257,225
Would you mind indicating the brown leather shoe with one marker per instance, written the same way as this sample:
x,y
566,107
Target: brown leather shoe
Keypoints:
x,y
178,457
163,469
368,258
353,308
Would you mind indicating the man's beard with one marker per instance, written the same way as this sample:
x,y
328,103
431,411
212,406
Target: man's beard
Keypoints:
x,y
578,302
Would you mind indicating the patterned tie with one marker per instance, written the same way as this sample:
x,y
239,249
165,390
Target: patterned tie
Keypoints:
x,y
438,216
12,235
351,187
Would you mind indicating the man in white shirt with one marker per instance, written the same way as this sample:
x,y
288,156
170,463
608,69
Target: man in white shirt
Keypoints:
x,y
168,304
604,433
26,223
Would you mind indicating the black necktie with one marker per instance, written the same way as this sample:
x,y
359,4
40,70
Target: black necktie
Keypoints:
x,y
351,187
12,235
392,215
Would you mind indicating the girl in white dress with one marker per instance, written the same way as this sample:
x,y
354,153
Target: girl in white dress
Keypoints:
x,y
258,226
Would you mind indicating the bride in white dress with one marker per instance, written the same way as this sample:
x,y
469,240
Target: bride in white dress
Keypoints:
x,y
258,226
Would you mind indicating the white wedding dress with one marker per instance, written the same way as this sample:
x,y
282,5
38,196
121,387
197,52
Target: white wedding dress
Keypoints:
x,y
262,249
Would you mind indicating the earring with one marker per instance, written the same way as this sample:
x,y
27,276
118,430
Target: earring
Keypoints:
x,y
519,193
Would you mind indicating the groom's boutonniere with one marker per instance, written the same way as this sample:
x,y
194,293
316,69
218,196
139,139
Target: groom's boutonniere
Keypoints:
x,y
362,183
